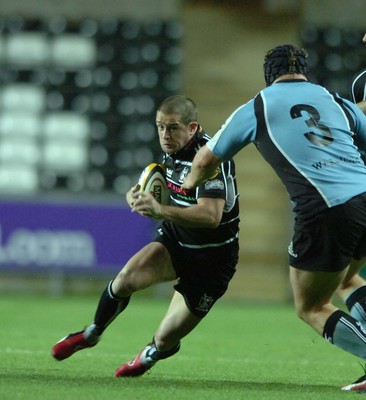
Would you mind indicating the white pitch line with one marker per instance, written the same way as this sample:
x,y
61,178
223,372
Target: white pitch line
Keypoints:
x,y
180,358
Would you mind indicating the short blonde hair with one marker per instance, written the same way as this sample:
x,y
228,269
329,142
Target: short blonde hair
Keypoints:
x,y
180,105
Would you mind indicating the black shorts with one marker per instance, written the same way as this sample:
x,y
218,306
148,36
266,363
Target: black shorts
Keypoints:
x,y
203,274
328,242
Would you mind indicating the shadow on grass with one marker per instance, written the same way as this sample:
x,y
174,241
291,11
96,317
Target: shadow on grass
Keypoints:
x,y
229,385
159,383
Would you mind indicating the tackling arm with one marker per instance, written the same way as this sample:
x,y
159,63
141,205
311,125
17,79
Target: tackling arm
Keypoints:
x,y
204,166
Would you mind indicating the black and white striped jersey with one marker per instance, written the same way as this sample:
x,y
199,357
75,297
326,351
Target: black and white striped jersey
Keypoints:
x,y
222,186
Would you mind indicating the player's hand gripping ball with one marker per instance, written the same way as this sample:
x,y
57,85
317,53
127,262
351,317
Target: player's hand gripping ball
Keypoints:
x,y
152,180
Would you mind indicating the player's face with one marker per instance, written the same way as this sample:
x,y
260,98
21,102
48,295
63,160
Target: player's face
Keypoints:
x,y
173,134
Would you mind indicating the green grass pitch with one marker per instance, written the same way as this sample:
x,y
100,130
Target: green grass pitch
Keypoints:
x,y
240,351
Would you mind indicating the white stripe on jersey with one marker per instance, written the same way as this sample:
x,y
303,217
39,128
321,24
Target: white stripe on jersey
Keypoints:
x,y
206,245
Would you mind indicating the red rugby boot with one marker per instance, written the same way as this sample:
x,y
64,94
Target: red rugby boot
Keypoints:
x,y
359,386
70,344
136,367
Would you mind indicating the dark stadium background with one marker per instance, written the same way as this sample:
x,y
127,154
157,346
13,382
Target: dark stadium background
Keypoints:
x,y
79,82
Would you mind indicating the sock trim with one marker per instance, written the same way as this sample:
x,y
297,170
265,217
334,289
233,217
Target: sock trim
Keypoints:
x,y
161,355
345,319
330,324
112,295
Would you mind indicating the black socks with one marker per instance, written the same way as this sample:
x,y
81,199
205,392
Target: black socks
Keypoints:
x,y
109,307
157,355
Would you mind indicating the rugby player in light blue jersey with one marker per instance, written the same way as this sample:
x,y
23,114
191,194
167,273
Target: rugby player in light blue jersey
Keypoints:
x,y
308,135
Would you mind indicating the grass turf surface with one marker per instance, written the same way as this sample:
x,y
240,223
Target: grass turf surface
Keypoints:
x,y
239,351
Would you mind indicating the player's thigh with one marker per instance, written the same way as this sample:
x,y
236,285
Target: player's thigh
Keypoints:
x,y
314,289
151,265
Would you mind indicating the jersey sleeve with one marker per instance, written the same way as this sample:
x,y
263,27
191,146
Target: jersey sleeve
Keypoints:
x,y
214,187
237,132
359,124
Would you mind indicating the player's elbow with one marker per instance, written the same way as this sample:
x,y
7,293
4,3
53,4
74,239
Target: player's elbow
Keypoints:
x,y
214,226
213,221
210,212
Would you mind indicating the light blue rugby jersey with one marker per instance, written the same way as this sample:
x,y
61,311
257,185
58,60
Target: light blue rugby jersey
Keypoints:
x,y
306,134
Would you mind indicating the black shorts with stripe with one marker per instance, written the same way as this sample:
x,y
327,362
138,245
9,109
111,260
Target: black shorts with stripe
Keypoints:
x,y
203,274
329,241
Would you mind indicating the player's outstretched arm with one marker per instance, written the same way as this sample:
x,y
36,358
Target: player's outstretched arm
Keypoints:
x,y
204,165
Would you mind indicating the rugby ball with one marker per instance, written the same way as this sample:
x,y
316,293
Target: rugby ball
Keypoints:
x,y
152,180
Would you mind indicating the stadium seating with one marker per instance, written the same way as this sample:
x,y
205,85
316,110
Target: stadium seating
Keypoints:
x,y
78,100
335,55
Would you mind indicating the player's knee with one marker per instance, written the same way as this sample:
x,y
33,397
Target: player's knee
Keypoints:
x,y
124,284
311,314
299,311
304,312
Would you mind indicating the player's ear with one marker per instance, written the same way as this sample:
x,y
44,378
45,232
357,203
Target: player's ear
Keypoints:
x,y
193,126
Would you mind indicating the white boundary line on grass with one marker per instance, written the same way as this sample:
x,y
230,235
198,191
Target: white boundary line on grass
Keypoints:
x,y
181,358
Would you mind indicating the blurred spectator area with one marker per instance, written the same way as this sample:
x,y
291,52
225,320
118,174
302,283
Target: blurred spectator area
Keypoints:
x,y
78,100
335,55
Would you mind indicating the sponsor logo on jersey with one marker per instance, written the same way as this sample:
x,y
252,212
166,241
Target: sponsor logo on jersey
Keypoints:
x,y
176,189
183,174
214,184
181,193
335,161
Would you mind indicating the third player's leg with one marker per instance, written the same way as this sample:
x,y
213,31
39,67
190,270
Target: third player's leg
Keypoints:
x,y
313,292
352,280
